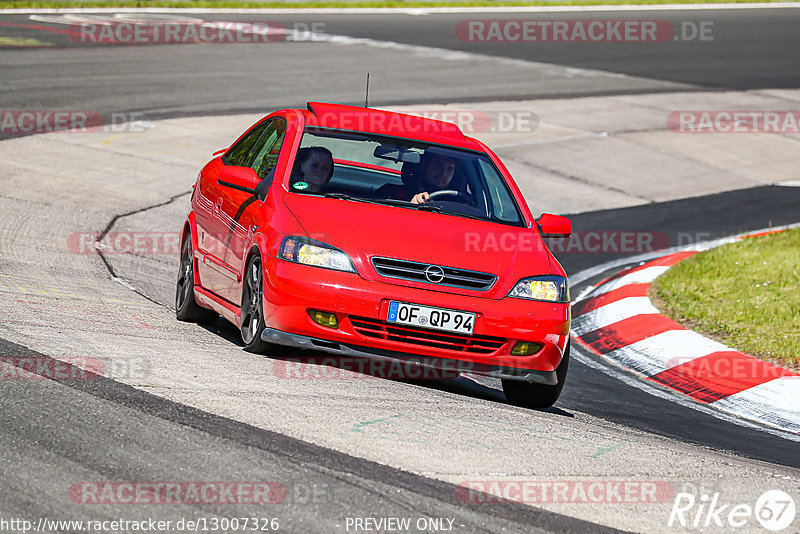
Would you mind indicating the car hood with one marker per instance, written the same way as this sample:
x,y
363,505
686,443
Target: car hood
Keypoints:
x,y
364,230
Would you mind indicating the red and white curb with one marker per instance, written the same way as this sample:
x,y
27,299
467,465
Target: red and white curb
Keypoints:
x,y
617,321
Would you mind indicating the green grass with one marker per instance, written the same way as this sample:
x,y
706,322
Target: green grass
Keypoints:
x,y
301,4
745,295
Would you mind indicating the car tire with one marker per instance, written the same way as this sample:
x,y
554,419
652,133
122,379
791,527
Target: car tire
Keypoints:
x,y
537,396
186,307
252,310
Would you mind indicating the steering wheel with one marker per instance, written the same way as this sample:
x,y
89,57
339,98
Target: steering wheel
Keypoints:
x,y
450,193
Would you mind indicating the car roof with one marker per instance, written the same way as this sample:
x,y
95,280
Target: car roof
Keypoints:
x,y
388,123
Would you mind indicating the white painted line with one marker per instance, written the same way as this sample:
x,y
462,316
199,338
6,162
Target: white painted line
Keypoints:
x,y
642,276
583,294
776,402
124,283
664,351
417,11
98,18
612,313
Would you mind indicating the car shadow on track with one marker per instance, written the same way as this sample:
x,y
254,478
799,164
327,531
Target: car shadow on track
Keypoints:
x,y
312,364
224,329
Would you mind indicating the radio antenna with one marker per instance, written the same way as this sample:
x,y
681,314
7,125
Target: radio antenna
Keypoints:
x,y
366,96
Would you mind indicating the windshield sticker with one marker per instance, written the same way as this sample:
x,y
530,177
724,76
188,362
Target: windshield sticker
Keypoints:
x,y
300,185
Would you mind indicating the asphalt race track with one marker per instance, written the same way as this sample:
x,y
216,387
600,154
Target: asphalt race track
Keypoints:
x,y
751,49
204,410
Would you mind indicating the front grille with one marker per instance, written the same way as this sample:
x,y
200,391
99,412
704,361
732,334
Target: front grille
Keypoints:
x,y
412,270
428,338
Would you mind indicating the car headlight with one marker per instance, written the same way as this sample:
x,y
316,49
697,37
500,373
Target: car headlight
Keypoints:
x,y
550,288
310,252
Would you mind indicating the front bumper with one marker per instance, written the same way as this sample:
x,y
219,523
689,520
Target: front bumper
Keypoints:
x,y
270,335
291,289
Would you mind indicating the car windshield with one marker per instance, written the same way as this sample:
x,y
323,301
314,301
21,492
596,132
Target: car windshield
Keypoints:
x,y
389,170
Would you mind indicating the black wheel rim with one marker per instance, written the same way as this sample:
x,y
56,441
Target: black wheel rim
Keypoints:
x,y
185,275
251,302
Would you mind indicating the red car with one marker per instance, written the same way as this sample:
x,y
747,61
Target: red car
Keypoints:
x,y
367,233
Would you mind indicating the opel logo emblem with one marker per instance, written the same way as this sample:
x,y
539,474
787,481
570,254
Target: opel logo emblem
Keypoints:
x,y
434,274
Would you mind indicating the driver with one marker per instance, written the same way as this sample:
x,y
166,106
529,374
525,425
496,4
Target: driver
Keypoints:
x,y
435,173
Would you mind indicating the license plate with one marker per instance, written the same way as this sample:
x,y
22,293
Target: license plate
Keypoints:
x,y
428,317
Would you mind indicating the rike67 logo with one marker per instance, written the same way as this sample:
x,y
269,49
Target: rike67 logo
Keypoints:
x,y
774,510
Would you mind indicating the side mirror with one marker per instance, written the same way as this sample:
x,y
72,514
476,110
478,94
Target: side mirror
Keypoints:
x,y
554,225
240,178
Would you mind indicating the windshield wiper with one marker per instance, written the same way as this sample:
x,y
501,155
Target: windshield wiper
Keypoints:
x,y
343,196
421,207
426,207
389,201
392,202
404,204
437,209
386,201
339,195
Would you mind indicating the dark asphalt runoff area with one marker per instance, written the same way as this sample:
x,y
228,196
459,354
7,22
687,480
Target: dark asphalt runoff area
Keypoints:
x,y
54,434
751,49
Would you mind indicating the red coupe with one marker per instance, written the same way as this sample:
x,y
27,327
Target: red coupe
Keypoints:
x,y
373,234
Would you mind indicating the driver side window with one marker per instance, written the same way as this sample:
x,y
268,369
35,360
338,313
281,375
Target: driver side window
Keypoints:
x,y
240,153
267,149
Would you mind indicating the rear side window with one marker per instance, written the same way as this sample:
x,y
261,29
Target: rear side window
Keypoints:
x,y
239,154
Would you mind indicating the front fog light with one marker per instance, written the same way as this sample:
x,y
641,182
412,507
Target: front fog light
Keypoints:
x,y
525,348
324,318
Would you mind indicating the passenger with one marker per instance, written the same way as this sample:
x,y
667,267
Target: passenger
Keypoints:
x,y
313,168
435,174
